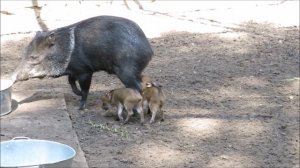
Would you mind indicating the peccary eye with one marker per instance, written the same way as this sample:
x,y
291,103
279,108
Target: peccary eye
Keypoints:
x,y
51,39
50,45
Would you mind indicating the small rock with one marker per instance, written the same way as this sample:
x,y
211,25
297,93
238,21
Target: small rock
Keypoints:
x,y
283,127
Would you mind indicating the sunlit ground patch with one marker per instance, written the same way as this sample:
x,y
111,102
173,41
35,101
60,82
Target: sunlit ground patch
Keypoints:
x,y
155,153
199,126
246,128
232,35
293,85
233,91
233,160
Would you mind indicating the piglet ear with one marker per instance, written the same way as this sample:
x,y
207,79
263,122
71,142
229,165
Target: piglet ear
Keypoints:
x,y
149,84
51,38
108,95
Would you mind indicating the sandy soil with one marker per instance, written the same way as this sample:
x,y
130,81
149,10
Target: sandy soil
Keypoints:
x,y
233,101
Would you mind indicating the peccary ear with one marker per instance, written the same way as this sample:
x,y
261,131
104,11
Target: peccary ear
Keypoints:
x,y
51,38
38,33
149,84
108,95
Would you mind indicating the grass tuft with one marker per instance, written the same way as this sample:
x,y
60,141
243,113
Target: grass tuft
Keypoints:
x,y
118,131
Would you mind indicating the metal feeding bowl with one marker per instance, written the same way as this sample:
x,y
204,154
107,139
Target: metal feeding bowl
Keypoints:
x,y
5,96
33,153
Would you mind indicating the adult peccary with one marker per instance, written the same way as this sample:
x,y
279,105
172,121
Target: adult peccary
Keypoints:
x,y
112,44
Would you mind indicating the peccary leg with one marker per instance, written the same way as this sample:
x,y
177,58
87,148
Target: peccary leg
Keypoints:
x,y
85,83
141,112
129,79
120,111
163,115
128,107
146,107
129,114
154,110
72,82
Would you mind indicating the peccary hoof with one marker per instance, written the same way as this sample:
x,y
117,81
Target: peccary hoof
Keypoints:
x,y
81,107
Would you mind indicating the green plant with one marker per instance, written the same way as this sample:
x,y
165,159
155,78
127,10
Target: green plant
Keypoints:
x,y
118,131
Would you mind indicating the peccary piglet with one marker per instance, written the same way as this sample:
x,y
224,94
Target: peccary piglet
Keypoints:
x,y
126,98
153,98
105,43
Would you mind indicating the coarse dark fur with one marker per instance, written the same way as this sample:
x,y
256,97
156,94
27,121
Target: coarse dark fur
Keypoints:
x,y
104,43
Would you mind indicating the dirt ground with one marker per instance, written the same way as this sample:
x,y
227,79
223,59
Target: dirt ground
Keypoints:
x,y
233,101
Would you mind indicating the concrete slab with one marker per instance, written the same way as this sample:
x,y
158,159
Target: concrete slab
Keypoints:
x,y
41,115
